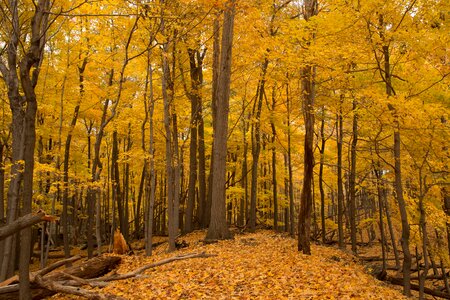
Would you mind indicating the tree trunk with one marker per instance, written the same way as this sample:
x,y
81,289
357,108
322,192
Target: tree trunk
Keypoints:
x,y
243,207
23,110
340,185
352,179
290,182
202,207
196,65
274,165
170,171
321,189
152,176
304,217
308,96
218,226
65,214
215,82
398,176
256,143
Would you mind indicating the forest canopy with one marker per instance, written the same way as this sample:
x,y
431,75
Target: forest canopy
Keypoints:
x,y
328,120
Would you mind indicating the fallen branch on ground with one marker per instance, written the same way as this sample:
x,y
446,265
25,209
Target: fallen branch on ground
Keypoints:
x,y
59,288
41,272
415,287
47,282
153,265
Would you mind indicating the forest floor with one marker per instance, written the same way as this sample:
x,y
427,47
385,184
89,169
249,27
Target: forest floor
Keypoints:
x,y
262,265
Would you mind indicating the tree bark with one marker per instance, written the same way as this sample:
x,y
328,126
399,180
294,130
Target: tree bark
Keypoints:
x,y
170,170
218,226
215,81
256,143
290,181
23,222
398,185
196,74
352,179
73,123
321,189
24,108
340,185
92,268
274,165
308,96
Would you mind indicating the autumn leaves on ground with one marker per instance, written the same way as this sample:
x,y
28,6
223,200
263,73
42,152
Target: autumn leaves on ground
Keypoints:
x,y
263,265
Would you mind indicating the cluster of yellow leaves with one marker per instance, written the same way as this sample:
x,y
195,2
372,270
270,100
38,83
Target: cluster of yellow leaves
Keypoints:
x,y
264,265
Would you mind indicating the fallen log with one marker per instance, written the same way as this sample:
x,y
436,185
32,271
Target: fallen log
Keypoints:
x,y
56,287
374,258
24,222
41,272
415,287
91,268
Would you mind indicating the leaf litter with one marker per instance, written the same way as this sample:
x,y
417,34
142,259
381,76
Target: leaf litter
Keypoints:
x,y
261,265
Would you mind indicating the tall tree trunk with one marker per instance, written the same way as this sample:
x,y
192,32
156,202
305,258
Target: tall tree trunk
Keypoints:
x,y
201,167
321,189
243,207
196,74
150,211
215,81
23,110
274,164
289,167
170,171
256,143
65,214
16,173
352,179
380,207
398,175
218,226
304,219
2,195
308,95
340,185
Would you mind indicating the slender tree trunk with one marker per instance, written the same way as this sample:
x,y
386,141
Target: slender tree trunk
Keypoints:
x,y
2,196
306,199
380,207
398,177
321,189
16,173
352,179
65,214
196,65
243,207
274,165
215,82
289,166
256,143
218,226
423,231
152,177
201,166
170,171
340,185
23,110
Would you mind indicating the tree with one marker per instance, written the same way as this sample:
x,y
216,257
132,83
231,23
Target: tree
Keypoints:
x,y
21,76
308,95
218,228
